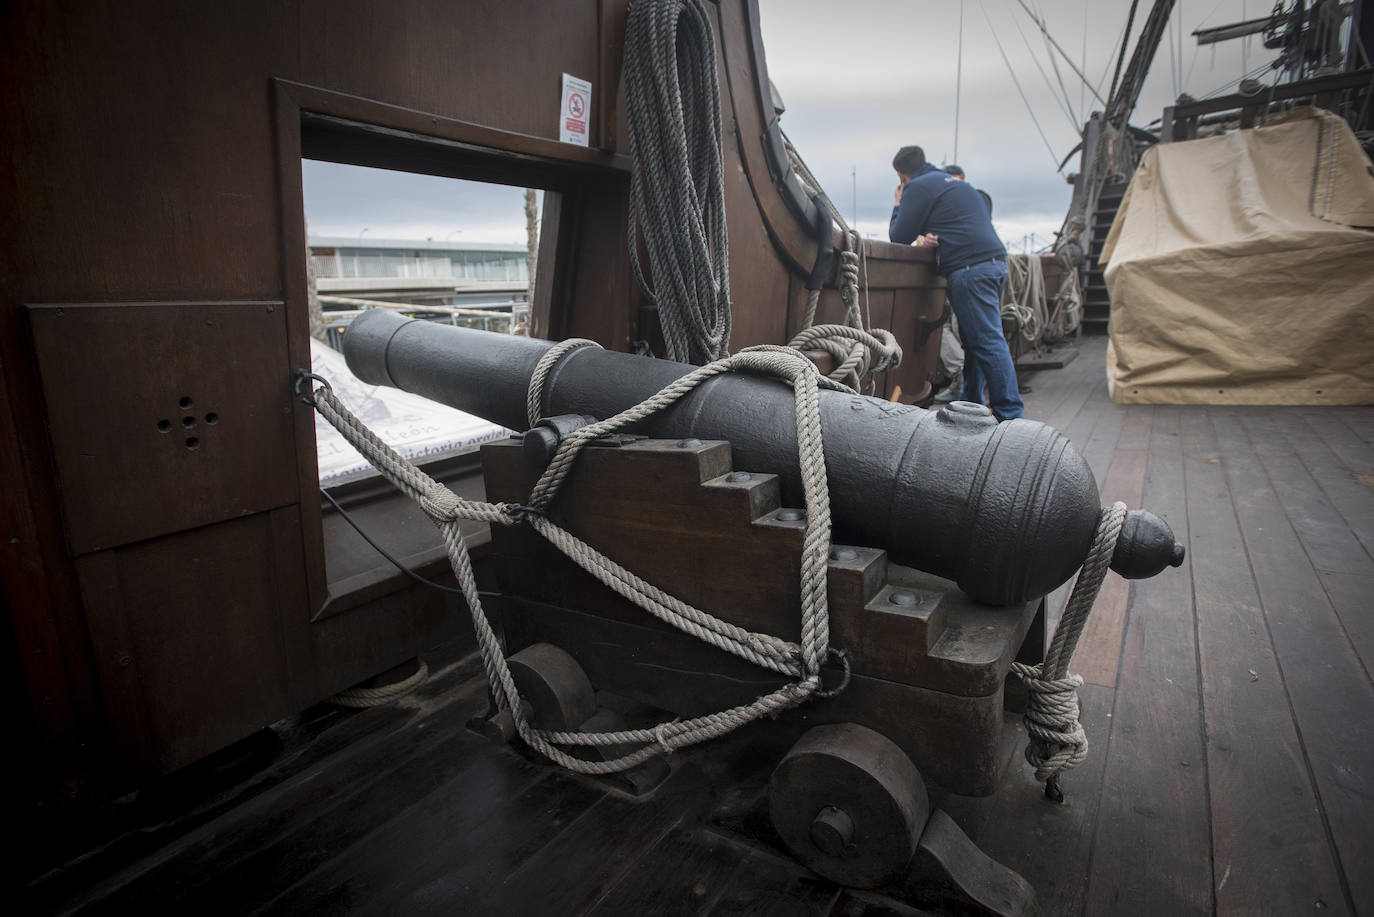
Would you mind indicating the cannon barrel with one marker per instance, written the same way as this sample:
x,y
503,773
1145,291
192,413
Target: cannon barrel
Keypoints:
x,y
1006,510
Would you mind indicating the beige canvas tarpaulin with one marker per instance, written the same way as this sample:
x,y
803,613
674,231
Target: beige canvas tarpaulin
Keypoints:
x,y
1238,271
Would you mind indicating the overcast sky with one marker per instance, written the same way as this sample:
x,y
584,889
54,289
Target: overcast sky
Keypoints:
x,y
861,79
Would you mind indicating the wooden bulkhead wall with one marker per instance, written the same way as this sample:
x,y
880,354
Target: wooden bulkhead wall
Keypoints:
x,y
166,599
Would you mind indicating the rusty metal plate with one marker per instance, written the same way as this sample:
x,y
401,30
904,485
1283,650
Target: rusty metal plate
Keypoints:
x,y
165,416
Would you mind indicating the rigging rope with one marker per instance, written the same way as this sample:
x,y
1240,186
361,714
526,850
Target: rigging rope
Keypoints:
x,y
677,183
858,353
801,661
1026,296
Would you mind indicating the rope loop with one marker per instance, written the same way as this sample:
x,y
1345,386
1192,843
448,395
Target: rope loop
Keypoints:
x,y
534,397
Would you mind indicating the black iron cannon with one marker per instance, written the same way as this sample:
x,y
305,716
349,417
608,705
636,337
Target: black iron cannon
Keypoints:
x,y
1005,510
705,510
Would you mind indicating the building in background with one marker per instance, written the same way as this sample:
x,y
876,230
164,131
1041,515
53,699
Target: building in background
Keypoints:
x,y
478,284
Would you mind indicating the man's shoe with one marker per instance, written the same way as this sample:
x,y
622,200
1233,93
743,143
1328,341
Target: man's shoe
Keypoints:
x,y
953,392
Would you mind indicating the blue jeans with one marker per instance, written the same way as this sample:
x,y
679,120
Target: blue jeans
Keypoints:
x,y
975,294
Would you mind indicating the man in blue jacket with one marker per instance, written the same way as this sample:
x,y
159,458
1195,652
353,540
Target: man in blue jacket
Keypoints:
x,y
935,208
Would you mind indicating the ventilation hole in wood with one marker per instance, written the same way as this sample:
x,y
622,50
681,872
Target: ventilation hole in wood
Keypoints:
x,y
164,425
185,402
212,418
192,443
188,421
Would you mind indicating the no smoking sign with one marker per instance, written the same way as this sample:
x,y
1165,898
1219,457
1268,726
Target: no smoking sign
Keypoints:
x,y
577,103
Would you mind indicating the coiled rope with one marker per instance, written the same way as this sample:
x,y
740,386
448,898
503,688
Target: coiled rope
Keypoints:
x,y
1057,740
1026,296
677,182
858,353
801,661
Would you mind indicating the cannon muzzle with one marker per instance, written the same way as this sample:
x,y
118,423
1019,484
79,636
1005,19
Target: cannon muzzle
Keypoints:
x,y
1006,510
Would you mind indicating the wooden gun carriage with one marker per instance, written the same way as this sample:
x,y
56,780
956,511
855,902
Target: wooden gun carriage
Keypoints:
x,y
924,666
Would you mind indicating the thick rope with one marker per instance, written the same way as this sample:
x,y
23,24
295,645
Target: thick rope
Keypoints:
x,y
1026,296
534,397
857,353
677,180
1057,740
801,661
375,697
1067,311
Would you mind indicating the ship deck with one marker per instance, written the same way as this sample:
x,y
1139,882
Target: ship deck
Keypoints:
x,y
1228,704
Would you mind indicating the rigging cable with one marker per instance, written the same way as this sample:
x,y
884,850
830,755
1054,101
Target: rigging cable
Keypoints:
x,y
1068,111
1173,63
1054,65
1046,32
1019,90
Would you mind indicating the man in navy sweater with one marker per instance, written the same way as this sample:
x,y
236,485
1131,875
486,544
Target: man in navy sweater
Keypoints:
x,y
935,208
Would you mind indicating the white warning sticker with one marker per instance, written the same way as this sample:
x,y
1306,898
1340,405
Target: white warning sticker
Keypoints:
x,y
575,110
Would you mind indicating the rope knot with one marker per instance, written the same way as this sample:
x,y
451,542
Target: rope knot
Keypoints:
x,y
849,277
440,504
661,737
1057,740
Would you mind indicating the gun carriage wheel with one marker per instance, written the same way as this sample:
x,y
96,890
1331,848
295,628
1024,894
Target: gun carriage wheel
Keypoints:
x,y
555,686
849,804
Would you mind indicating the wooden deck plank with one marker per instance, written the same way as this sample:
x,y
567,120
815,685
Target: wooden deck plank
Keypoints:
x,y
865,904
1354,451
1347,483
1101,444
354,756
1062,393
1331,692
764,887
462,847
1269,841
1152,847
591,855
317,838
1099,647
1329,530
1079,400
683,874
1135,429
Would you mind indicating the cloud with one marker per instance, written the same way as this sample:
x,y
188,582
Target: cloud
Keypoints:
x,y
862,79
343,200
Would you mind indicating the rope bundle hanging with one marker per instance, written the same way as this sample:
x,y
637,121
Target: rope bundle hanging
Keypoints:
x,y
858,351
677,182
1026,296
1057,741
801,661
